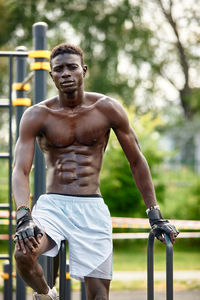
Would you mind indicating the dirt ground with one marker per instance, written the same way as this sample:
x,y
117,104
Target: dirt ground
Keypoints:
x,y
142,295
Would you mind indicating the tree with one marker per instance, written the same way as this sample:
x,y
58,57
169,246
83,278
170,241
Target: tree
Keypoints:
x,y
175,30
131,47
111,33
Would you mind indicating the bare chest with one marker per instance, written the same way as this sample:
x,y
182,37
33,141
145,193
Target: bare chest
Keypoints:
x,y
87,128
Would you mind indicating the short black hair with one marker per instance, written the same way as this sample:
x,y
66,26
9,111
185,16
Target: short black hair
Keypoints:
x,y
67,48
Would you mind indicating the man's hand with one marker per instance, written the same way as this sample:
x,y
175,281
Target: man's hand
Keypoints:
x,y
161,226
27,232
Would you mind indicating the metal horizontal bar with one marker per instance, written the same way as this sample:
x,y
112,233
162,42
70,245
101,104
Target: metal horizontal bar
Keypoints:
x,y
4,105
4,214
5,237
4,155
4,206
4,222
144,235
4,102
143,223
13,53
4,256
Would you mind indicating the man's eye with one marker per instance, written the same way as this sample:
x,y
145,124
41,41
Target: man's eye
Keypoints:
x,y
73,67
57,69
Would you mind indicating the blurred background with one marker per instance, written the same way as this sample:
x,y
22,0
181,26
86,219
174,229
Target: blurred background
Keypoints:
x,y
145,54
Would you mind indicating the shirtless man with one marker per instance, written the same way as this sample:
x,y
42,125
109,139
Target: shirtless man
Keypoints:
x,y
72,130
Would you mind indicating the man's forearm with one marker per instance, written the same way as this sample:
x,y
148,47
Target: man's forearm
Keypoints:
x,y
143,181
21,188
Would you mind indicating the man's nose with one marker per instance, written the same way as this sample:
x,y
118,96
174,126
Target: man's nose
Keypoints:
x,y
66,72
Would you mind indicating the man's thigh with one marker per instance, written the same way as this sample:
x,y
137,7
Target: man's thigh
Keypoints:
x,y
46,243
97,288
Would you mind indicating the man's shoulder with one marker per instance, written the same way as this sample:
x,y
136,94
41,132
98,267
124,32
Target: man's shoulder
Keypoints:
x,y
40,108
36,114
112,109
103,101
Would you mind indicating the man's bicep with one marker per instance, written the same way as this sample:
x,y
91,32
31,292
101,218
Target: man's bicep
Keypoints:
x,y
24,153
124,132
25,147
129,143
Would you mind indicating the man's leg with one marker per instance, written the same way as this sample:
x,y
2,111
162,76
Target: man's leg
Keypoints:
x,y
29,268
97,289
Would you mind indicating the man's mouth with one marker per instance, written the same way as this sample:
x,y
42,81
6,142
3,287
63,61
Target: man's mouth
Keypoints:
x,y
67,83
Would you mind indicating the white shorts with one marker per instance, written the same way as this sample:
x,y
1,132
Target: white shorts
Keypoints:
x,y
85,222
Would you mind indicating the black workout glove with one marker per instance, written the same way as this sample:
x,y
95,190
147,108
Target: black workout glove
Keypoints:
x,y
159,225
25,228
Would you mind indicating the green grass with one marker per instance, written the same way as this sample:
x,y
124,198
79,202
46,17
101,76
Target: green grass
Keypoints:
x,y
132,255
180,202
137,261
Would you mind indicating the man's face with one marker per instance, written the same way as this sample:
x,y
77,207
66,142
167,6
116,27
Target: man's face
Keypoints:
x,y
67,72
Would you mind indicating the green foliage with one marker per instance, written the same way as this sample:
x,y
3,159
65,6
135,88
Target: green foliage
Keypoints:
x,y
117,185
193,209
7,23
181,199
110,33
105,31
195,99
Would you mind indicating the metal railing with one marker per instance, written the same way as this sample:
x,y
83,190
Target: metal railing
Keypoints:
x,y
9,157
64,277
39,37
150,267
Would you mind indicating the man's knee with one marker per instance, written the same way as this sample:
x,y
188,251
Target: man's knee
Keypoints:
x,y
101,296
97,289
97,294
24,260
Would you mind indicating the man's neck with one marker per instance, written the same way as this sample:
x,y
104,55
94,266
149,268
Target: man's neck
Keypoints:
x,y
71,100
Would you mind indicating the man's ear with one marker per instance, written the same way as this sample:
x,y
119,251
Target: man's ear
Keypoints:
x,y
84,70
50,73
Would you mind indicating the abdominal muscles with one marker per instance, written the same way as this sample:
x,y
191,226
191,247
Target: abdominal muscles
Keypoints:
x,y
70,172
74,170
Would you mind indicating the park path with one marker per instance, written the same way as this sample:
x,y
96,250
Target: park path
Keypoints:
x,y
139,295
142,295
